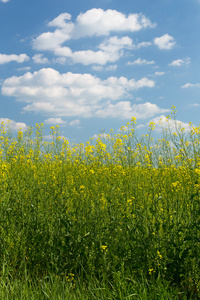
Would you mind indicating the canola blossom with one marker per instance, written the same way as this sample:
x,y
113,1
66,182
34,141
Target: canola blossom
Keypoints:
x,y
114,203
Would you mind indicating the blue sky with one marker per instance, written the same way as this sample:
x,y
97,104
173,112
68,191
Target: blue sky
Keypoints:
x,y
91,65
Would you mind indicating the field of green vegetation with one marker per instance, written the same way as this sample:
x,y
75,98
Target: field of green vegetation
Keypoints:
x,y
115,218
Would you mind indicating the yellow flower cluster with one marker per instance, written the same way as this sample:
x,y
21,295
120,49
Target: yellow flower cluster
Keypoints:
x,y
113,188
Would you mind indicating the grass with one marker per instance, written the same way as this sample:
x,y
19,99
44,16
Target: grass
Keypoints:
x,y
115,218
55,288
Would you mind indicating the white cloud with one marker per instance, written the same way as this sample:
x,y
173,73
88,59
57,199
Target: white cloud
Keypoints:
x,y
124,110
110,51
140,61
50,41
39,59
100,135
97,68
24,69
115,44
12,125
143,44
60,60
180,62
4,1
159,73
163,122
91,57
95,22
75,123
6,58
99,22
101,68
60,21
195,104
165,42
111,68
55,121
47,91
190,85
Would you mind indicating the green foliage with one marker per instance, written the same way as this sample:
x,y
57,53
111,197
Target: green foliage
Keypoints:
x,y
115,210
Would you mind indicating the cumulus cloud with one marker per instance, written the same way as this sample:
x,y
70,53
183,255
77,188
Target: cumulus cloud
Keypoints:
x,y
24,69
91,57
99,22
99,68
159,73
143,44
70,94
12,125
180,62
174,125
95,22
39,59
6,58
60,21
165,42
60,121
55,121
190,85
110,51
140,61
111,68
115,44
75,123
124,110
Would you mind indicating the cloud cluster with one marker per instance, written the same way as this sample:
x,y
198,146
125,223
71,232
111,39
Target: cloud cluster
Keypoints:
x,y
78,95
6,58
97,22
94,22
83,95
109,51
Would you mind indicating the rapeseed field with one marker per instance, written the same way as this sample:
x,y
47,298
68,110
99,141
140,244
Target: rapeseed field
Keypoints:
x,y
116,210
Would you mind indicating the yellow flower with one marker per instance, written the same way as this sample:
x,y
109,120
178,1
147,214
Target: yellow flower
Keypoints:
x,y
133,120
103,248
150,271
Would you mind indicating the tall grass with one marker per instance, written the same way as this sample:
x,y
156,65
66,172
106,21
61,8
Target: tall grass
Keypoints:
x,y
117,217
